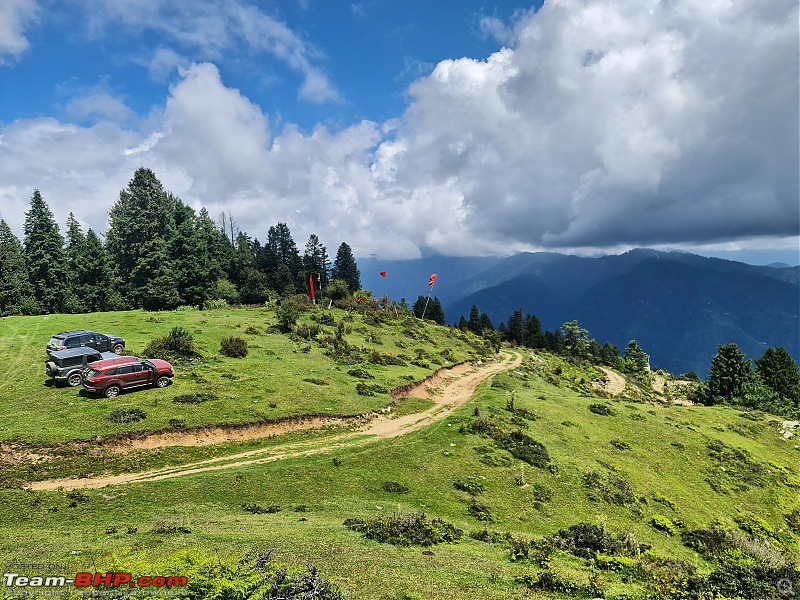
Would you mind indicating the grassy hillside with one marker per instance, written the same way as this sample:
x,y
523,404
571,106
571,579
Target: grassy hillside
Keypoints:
x,y
663,499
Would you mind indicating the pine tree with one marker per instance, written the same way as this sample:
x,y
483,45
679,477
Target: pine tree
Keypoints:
x,y
729,373
474,319
251,283
534,336
16,292
778,371
141,232
75,241
515,330
431,308
345,268
316,262
44,256
94,273
635,358
280,250
196,271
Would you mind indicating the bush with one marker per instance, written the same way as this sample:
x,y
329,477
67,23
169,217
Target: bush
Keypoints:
x,y
525,448
195,398
414,529
480,512
179,344
601,409
471,485
662,523
395,488
127,415
361,374
215,304
233,347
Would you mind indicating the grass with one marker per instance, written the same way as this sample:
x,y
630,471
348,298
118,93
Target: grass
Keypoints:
x,y
669,459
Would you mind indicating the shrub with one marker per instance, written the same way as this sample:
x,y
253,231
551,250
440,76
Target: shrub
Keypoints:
x,y
601,409
586,539
195,398
395,488
233,347
361,374
662,523
525,448
315,381
620,445
127,415
179,344
471,485
216,303
480,512
793,520
364,389
413,529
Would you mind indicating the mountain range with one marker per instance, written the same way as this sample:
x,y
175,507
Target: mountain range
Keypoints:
x,y
678,306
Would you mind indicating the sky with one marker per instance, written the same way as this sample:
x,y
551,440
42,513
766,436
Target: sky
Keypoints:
x,y
462,128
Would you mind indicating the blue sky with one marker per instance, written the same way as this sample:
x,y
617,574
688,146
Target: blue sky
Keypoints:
x,y
413,128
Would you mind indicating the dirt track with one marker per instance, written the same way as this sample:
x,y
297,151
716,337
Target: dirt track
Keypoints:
x,y
448,389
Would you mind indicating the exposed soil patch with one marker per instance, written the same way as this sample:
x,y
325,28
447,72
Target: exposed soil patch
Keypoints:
x,y
614,384
448,389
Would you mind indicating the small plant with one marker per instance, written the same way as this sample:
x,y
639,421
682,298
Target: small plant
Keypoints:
x,y
620,445
252,330
315,381
361,374
233,347
471,485
127,415
195,398
177,423
601,409
179,344
395,488
662,523
163,527
413,529
215,304
480,511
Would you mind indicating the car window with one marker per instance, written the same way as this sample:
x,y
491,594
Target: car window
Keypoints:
x,y
111,372
138,368
55,342
72,342
93,373
72,361
87,339
124,370
92,358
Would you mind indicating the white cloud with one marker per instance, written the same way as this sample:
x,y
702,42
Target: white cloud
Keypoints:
x,y
15,17
210,30
603,125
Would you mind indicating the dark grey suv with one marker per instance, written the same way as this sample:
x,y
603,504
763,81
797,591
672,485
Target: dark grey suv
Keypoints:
x,y
67,366
86,339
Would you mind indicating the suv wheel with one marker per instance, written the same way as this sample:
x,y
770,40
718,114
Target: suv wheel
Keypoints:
x,y
112,391
118,349
162,382
74,380
51,367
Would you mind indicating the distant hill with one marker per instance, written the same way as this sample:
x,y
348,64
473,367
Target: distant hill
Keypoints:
x,y
677,305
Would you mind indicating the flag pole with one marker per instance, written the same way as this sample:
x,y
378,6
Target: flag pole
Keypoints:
x,y
431,283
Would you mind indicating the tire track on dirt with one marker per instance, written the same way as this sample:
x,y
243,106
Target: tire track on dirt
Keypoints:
x,y
448,389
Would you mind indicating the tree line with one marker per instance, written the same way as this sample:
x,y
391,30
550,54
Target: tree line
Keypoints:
x,y
158,254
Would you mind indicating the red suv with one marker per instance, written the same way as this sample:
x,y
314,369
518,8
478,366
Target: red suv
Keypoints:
x,y
109,377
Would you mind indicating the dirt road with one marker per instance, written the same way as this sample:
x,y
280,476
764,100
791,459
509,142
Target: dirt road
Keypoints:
x,y
448,389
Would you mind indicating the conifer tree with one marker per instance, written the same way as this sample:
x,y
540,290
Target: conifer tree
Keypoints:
x,y
729,373
315,261
345,268
141,232
94,276
75,241
44,256
16,292
779,372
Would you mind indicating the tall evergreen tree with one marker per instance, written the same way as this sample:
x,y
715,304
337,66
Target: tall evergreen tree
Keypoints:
x,y
474,319
94,276
534,336
280,250
44,256
345,268
779,372
635,358
16,292
251,283
433,312
515,330
75,240
315,261
141,232
729,373
195,269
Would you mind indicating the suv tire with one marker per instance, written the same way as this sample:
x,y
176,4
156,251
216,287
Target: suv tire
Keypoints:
x,y
51,367
74,380
112,391
118,349
162,382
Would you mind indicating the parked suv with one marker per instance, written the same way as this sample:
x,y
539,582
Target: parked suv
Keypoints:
x,y
111,377
86,339
67,366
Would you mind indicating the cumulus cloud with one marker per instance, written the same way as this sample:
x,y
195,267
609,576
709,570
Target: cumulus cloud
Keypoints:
x,y
602,125
211,28
15,17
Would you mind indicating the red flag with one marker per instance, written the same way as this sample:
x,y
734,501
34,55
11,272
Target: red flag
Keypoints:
x,y
311,283
382,273
359,300
432,280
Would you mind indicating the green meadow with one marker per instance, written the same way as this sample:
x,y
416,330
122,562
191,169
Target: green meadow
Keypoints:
x,y
677,500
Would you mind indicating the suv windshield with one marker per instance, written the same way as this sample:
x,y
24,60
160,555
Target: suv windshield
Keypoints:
x,y
55,342
92,373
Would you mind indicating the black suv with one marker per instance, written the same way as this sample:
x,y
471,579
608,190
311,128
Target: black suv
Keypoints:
x,y
86,339
67,366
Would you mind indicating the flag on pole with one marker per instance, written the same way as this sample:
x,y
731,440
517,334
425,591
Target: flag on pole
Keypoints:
x,y
311,284
382,273
432,280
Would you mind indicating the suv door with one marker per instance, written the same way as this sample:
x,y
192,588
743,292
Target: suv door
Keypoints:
x,y
101,342
126,377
